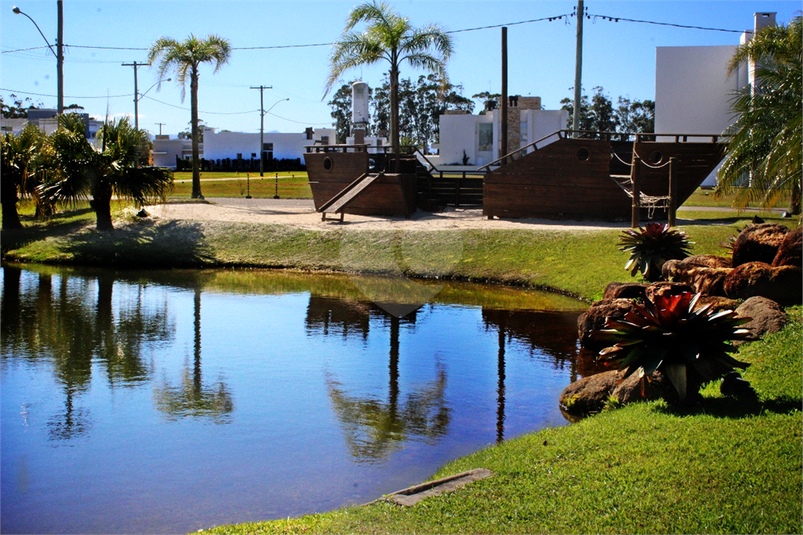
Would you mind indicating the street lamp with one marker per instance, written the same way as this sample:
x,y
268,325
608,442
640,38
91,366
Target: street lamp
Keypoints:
x,y
138,97
261,134
59,55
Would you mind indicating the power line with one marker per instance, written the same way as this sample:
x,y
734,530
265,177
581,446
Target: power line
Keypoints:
x,y
66,96
670,24
201,111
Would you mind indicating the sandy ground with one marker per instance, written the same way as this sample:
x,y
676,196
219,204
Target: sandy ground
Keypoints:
x,y
301,213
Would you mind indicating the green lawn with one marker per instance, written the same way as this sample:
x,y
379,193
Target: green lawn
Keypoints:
x,y
290,184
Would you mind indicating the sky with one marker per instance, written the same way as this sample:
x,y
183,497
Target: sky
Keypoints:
x,y
285,45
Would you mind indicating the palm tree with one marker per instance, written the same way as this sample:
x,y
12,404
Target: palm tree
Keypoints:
x,y
184,58
391,38
104,172
21,161
766,137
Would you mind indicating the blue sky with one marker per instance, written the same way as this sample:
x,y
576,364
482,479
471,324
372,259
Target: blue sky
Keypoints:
x,y
101,35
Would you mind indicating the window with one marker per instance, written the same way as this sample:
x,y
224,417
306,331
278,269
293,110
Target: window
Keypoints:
x,y
486,137
253,155
267,147
239,155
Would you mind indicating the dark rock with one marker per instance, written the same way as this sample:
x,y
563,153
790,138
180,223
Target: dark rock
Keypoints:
x,y
790,251
718,303
669,269
758,243
706,280
624,290
733,384
783,284
706,260
665,288
594,319
766,315
590,394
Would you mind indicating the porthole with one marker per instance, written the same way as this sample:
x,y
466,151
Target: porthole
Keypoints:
x,y
371,164
583,154
655,157
328,163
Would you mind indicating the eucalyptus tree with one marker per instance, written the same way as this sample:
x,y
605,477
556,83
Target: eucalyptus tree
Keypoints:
x,y
766,142
105,171
185,58
389,37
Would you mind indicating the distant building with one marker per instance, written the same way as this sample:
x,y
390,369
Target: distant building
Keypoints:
x,y
239,146
474,140
45,119
693,91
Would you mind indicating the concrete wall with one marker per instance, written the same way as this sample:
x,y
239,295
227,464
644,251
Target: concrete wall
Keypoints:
x,y
221,145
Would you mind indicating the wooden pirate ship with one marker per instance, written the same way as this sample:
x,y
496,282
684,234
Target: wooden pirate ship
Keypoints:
x,y
567,175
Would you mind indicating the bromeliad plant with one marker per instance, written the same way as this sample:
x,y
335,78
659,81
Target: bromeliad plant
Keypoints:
x,y
673,334
650,247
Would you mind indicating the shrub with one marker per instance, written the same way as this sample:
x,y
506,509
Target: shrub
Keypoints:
x,y
689,344
650,247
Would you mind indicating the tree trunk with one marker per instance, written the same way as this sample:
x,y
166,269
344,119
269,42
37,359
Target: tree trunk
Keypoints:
x,y
11,218
394,115
196,163
102,204
794,203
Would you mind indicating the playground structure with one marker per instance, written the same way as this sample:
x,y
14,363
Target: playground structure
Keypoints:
x,y
566,175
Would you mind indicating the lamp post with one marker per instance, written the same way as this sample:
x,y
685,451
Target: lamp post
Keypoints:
x,y
261,134
59,46
138,97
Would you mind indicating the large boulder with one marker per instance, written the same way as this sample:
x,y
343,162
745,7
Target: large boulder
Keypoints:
x,y
590,394
758,243
707,280
675,270
665,288
594,319
718,303
766,315
782,284
624,290
790,250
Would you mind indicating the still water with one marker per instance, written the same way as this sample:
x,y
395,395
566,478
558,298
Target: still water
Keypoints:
x,y
166,402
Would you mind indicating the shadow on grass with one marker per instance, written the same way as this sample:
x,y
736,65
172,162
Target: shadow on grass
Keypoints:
x,y
172,244
730,407
58,225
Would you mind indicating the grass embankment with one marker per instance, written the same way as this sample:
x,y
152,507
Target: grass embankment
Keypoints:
x,y
724,467
579,263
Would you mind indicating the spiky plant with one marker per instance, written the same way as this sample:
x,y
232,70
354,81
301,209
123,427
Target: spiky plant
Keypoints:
x,y
687,342
650,247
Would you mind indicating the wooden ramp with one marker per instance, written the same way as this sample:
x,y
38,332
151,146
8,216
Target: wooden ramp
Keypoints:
x,y
348,194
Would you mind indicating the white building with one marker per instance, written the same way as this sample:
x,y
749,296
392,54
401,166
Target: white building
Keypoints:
x,y
693,91
474,140
239,146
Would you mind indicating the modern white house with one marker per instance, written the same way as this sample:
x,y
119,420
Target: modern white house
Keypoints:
x,y
45,119
693,90
474,140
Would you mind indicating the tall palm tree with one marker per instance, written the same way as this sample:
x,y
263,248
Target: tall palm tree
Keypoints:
x,y
104,172
389,37
21,161
766,137
185,58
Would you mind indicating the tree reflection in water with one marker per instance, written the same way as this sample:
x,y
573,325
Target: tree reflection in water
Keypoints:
x,y
72,330
192,398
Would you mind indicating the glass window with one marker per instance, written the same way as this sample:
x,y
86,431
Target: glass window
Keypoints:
x,y
486,136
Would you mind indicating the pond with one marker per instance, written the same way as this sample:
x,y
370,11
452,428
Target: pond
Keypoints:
x,y
166,402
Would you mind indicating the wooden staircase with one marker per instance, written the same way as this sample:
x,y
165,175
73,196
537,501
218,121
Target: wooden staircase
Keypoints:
x,y
348,194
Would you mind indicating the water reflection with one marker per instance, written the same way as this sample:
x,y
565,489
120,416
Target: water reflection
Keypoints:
x,y
75,326
312,381
192,398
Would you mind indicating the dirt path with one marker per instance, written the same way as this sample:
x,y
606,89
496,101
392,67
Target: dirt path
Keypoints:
x,y
301,213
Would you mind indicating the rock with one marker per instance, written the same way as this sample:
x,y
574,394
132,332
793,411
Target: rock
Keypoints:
x,y
782,284
674,269
758,243
707,281
594,319
665,288
624,290
766,315
790,250
590,394
669,269
733,384
718,303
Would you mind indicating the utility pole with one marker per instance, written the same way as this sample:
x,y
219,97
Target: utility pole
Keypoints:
x,y
578,68
261,126
60,56
160,125
503,104
136,90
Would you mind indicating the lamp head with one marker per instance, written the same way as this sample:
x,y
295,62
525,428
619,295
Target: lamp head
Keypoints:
x,y
16,10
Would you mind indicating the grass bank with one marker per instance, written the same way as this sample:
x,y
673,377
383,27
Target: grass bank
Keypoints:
x,y
579,263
